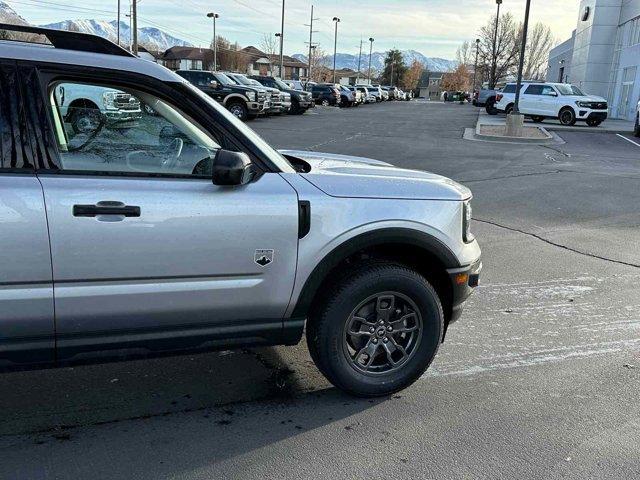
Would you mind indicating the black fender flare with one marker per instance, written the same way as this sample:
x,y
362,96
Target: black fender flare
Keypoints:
x,y
386,236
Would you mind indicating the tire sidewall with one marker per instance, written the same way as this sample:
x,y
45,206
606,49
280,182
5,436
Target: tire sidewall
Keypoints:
x,y
341,372
573,117
245,113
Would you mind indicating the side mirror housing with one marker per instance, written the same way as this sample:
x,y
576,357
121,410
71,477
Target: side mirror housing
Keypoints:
x,y
232,168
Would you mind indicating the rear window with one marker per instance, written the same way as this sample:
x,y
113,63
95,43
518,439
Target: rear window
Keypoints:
x,y
511,88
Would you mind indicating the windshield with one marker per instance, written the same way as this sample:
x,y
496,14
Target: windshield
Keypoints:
x,y
252,136
223,79
569,90
241,79
281,84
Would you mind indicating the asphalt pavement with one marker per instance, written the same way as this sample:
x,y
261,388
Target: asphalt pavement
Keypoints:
x,y
539,379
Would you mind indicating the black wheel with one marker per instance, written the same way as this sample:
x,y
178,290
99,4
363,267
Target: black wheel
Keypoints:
x,y
377,330
239,110
636,130
567,116
325,102
490,107
85,120
509,109
593,122
537,119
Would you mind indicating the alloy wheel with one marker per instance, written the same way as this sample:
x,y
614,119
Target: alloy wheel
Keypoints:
x,y
382,333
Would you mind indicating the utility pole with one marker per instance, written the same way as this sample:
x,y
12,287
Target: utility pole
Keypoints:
x,y
359,61
392,65
311,45
213,16
335,47
118,22
282,43
475,68
371,40
134,20
525,29
494,64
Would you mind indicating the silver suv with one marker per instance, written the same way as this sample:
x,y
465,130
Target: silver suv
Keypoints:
x,y
187,232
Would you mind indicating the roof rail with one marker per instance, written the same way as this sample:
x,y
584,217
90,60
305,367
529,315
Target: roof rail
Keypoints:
x,y
81,42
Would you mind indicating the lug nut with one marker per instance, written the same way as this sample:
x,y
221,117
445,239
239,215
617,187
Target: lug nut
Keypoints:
x,y
385,339
371,330
381,322
375,340
390,328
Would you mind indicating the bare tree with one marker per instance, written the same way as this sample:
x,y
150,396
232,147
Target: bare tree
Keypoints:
x,y
507,48
465,54
319,65
269,44
539,41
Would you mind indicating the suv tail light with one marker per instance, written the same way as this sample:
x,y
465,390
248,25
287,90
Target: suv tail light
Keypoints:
x,y
499,97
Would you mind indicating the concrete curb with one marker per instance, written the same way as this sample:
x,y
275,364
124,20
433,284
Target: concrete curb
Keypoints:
x,y
549,137
561,128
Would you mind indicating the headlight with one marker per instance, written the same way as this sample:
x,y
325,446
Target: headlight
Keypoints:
x,y
251,96
467,211
109,99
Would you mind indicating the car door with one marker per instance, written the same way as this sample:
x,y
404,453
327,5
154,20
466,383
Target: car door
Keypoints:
x,y
548,101
26,287
530,100
147,253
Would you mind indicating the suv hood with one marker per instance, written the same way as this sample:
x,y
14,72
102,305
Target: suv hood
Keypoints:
x,y
587,98
357,177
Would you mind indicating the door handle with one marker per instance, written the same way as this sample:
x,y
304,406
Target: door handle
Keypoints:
x,y
106,208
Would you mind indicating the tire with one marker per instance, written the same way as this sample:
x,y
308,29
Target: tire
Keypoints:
x,y
636,130
85,120
490,107
509,109
325,102
238,110
333,349
537,119
593,122
567,117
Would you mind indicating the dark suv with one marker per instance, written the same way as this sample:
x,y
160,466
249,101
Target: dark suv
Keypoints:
x,y
244,102
300,101
325,94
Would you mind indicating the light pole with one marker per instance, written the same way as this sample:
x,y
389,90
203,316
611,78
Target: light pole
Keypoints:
x,y
525,29
494,64
215,40
475,67
282,43
371,40
335,47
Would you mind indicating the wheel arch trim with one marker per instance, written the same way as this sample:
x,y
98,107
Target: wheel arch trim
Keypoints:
x,y
379,237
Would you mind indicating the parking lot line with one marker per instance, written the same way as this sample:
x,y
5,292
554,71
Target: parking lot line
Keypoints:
x,y
628,140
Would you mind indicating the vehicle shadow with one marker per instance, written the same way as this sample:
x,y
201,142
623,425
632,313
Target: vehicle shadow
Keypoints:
x,y
60,399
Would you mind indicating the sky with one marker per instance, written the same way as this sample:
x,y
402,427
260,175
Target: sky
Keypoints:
x,y
433,27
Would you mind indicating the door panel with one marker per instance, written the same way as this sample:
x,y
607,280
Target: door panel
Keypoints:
x,y
187,261
26,289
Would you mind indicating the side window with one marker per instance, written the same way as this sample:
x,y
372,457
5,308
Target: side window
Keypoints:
x,y
511,88
549,91
11,123
105,129
534,90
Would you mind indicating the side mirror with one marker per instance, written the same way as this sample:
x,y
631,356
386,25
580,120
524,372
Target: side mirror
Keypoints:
x,y
232,168
554,94
213,84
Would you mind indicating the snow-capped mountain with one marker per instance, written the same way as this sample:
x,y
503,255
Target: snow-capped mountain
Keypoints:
x,y
9,15
148,36
346,60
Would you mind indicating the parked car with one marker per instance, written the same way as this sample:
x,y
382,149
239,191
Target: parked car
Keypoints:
x,y
326,94
368,96
190,233
487,98
376,91
294,84
561,101
636,129
384,94
84,107
242,101
347,97
280,103
300,101
359,96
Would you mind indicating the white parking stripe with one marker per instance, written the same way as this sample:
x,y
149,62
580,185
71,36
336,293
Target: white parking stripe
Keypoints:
x,y
628,140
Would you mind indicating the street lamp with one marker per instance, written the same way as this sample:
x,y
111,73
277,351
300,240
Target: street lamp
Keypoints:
x,y
213,16
279,36
282,43
335,47
525,29
371,40
494,65
475,67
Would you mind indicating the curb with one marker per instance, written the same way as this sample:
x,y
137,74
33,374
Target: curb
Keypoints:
x,y
501,138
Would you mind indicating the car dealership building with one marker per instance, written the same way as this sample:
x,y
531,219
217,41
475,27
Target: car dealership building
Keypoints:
x,y
602,56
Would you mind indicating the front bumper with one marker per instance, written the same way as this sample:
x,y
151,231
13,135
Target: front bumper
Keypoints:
x,y
593,114
463,281
257,107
